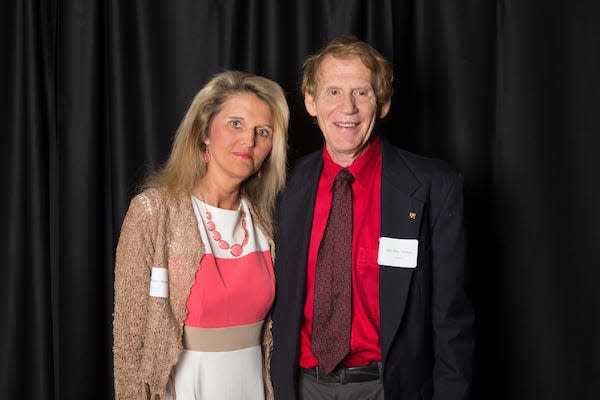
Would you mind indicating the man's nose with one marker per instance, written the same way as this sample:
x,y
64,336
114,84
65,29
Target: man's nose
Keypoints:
x,y
348,103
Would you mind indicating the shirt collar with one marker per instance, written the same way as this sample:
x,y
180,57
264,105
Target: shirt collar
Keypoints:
x,y
362,168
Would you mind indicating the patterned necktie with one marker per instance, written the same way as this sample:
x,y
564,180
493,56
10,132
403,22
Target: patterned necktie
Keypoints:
x,y
332,308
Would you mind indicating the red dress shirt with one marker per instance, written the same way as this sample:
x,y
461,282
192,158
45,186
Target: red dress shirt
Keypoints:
x,y
366,194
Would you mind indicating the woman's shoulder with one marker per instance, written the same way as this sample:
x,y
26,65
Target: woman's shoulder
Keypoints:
x,y
155,199
151,200
155,206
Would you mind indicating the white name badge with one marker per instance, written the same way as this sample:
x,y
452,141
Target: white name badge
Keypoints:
x,y
159,282
398,252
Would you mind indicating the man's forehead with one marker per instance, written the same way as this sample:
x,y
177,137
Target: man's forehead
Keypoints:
x,y
336,61
339,70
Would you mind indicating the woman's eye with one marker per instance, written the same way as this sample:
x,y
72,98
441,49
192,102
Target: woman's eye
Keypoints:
x,y
235,124
263,132
333,92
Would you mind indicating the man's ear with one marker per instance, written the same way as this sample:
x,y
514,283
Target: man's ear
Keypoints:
x,y
385,108
309,103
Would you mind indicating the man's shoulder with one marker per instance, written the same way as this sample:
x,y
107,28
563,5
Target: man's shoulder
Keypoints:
x,y
307,159
421,166
305,164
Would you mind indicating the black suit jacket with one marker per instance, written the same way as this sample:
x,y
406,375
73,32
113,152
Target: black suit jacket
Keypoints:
x,y
426,315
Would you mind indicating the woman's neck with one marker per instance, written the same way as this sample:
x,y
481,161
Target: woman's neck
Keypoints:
x,y
221,196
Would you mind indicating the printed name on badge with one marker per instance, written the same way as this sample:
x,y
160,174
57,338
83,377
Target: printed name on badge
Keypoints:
x,y
400,253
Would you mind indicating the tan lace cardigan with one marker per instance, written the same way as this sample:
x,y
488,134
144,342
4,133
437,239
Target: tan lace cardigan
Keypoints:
x,y
160,230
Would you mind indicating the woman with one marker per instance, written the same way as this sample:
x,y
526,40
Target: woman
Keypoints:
x,y
193,276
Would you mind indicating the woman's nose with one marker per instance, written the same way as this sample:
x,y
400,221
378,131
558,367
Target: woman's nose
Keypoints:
x,y
248,138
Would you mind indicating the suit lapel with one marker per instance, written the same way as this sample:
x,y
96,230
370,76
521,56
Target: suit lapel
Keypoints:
x,y
298,213
400,218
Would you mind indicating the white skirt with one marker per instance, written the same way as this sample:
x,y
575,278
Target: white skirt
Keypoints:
x,y
222,375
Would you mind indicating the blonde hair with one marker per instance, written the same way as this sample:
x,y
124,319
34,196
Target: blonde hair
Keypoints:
x,y
186,165
350,46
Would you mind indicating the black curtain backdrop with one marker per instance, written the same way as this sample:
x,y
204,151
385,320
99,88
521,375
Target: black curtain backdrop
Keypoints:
x,y
508,91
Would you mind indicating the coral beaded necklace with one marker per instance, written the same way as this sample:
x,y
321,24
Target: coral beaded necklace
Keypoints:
x,y
236,249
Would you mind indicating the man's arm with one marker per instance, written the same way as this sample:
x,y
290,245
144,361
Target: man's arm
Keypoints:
x,y
452,311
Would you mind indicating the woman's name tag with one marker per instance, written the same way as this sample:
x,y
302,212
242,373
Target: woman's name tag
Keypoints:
x,y
159,282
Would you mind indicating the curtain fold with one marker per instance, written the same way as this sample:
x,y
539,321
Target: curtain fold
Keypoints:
x,y
547,197
84,206
28,283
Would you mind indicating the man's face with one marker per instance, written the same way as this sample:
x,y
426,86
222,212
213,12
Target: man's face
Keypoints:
x,y
345,107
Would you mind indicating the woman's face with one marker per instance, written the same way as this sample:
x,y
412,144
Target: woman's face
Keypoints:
x,y
240,138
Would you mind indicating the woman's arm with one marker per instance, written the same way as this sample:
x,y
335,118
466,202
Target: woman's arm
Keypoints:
x,y
133,265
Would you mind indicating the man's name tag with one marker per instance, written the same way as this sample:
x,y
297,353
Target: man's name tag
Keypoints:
x,y
159,282
398,252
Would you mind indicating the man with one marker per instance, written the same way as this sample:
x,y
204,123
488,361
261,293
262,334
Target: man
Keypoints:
x,y
372,298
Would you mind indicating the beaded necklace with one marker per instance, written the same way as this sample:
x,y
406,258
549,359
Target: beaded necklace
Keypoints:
x,y
235,249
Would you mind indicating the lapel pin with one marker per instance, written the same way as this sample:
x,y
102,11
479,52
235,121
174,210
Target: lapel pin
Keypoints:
x,y
412,215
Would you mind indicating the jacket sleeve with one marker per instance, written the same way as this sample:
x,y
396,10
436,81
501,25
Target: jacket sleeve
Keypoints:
x,y
133,265
452,311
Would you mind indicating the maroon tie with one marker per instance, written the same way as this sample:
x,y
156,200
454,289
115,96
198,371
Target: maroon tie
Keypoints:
x,y
332,308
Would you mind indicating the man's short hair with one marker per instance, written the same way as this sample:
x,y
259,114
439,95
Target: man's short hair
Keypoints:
x,y
350,46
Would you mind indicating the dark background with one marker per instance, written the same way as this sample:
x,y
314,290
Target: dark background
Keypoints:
x,y
508,91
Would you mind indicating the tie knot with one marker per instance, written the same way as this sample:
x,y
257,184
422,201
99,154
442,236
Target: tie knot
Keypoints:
x,y
344,176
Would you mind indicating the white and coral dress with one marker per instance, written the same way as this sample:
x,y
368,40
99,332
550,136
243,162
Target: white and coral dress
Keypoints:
x,y
232,293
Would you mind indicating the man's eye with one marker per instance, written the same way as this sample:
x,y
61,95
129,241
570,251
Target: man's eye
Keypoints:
x,y
235,124
333,92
